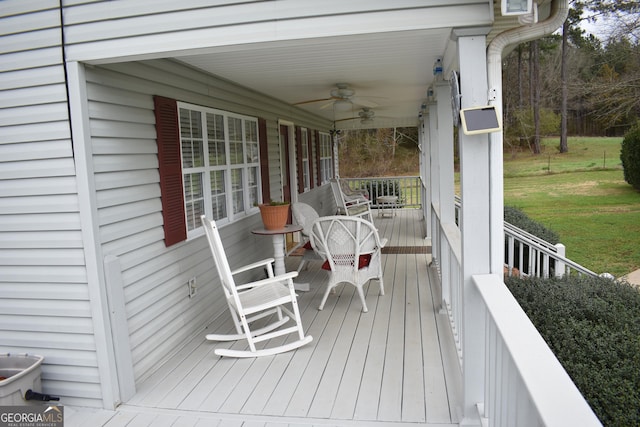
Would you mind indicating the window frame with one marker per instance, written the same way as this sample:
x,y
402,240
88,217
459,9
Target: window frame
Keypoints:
x,y
306,172
325,157
250,145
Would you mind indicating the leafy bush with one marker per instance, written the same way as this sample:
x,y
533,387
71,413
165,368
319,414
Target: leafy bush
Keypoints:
x,y
383,187
518,218
593,327
630,156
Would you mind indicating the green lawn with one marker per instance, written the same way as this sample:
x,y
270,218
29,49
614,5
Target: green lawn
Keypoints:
x,y
594,211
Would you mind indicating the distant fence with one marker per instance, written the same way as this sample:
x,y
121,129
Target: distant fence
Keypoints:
x,y
406,188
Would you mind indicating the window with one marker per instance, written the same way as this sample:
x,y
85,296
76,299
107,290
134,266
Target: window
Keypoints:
x,y
220,164
326,162
304,146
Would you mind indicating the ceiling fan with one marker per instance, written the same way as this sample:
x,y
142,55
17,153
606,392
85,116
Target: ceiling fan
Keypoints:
x,y
341,97
366,115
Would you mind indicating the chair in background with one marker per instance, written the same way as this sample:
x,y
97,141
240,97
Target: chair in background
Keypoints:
x,y
352,249
305,215
356,207
255,300
350,194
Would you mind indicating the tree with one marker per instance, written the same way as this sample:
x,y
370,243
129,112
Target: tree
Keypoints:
x,y
535,98
379,152
615,87
630,156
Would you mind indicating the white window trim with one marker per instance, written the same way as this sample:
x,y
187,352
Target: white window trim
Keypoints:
x,y
249,208
325,137
306,162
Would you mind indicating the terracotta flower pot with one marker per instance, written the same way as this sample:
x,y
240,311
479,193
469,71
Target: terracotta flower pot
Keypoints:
x,y
274,217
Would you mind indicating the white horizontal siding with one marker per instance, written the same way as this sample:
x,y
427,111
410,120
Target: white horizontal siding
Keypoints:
x,y
39,239
38,186
23,115
22,19
108,180
33,95
52,203
31,59
28,290
18,7
40,77
30,256
96,32
39,222
32,40
44,298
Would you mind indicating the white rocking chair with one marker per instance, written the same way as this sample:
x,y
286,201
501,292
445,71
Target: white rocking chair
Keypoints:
x,y
256,300
305,215
352,207
352,248
361,194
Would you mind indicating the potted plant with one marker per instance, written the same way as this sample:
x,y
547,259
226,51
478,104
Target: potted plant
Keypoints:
x,y
274,214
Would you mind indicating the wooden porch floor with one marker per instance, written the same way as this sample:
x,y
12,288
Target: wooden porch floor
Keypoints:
x,y
395,365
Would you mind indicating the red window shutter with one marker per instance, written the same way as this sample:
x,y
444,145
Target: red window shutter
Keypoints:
x,y
311,164
264,159
170,167
316,135
299,159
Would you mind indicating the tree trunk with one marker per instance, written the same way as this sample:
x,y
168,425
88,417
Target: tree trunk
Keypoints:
x,y
535,83
564,147
520,88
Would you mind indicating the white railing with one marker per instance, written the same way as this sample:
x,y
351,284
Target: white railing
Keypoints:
x,y
407,188
446,255
527,255
525,383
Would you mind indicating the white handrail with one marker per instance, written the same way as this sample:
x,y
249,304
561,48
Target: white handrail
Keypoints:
x,y
407,188
541,255
527,385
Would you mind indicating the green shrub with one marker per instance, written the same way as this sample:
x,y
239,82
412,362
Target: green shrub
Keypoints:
x,y
630,156
383,187
593,327
518,218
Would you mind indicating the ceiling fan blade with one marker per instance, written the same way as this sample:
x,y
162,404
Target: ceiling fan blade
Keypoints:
x,y
364,102
348,118
328,104
312,101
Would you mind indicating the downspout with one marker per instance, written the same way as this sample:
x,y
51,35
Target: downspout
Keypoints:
x,y
559,12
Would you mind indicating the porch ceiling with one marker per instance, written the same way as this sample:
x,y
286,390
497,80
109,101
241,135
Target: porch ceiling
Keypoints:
x,y
392,70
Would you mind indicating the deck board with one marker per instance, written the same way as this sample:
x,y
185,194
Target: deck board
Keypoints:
x,y
394,365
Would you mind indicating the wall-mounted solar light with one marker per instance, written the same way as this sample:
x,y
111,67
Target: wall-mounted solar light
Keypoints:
x,y
477,120
516,7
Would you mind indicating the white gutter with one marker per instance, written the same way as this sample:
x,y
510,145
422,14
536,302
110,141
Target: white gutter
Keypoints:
x,y
557,16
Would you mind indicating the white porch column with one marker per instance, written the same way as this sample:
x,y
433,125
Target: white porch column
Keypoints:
x,y
445,153
425,173
443,158
432,120
475,222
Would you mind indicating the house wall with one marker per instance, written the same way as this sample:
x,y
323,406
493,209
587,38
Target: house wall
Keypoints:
x,y
50,304
80,222
120,97
45,305
98,30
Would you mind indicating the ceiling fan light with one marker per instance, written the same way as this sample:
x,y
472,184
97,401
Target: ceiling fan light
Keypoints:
x,y
342,105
